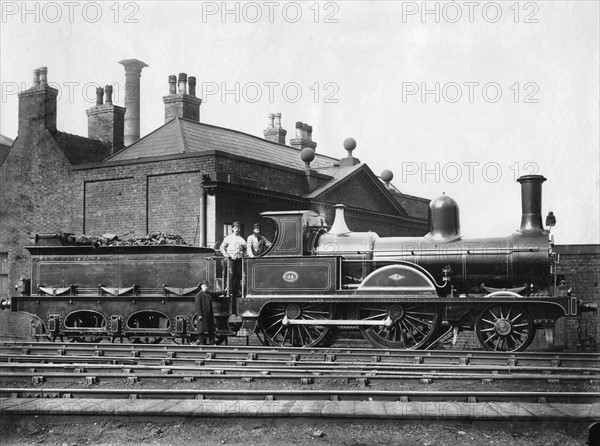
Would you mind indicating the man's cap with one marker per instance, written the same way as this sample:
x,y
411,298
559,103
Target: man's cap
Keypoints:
x,y
257,226
204,282
236,223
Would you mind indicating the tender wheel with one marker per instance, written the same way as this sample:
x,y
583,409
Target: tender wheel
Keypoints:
x,y
38,328
277,333
505,328
147,340
86,339
413,325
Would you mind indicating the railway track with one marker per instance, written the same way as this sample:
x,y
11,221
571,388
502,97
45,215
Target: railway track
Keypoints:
x,y
184,376
131,363
330,355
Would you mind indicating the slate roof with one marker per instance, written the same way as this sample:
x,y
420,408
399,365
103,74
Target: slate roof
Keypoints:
x,y
5,145
182,136
80,150
344,173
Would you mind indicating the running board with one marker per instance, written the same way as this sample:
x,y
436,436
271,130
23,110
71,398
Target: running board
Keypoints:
x,y
286,321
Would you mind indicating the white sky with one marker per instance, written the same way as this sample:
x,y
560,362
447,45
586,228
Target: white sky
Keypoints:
x,y
364,59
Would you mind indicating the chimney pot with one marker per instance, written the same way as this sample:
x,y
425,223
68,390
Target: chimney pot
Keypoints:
x,y
172,84
305,131
303,137
182,89
36,77
274,132
37,105
192,85
180,104
99,94
108,91
43,75
106,122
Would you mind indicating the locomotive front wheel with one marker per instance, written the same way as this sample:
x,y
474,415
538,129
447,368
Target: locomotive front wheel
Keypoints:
x,y
413,325
277,333
505,328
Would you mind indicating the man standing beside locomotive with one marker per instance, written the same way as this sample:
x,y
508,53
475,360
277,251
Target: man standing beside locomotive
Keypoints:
x,y
233,249
206,317
257,243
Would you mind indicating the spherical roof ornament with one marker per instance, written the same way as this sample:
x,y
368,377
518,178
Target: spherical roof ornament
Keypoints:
x,y
349,145
387,175
307,155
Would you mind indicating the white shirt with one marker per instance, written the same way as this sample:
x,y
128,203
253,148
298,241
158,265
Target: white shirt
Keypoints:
x,y
233,246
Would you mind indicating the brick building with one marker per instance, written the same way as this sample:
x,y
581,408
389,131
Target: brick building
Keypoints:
x,y
185,177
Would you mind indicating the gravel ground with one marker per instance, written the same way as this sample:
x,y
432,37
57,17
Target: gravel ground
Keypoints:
x,y
82,431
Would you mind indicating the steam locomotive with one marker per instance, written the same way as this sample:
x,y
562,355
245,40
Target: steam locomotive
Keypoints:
x,y
400,292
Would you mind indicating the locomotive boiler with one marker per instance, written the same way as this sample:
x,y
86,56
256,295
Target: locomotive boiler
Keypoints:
x,y
315,280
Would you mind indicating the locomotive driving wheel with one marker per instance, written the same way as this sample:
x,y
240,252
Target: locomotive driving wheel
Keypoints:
x,y
412,325
505,328
274,323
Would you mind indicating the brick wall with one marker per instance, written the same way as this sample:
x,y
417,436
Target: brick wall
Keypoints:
x,y
359,193
175,205
36,193
414,206
159,196
112,206
236,169
580,265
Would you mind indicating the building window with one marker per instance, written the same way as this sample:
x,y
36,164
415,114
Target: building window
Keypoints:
x,y
4,274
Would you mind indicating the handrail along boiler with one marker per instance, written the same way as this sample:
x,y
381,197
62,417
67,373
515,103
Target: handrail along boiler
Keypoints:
x,y
400,292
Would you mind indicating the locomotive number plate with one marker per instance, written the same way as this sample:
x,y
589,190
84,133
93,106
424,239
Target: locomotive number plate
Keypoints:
x,y
291,276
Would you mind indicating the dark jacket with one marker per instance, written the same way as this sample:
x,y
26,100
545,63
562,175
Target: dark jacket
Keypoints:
x,y
206,318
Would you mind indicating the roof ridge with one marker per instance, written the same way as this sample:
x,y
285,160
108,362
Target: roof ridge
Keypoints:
x,y
256,137
153,132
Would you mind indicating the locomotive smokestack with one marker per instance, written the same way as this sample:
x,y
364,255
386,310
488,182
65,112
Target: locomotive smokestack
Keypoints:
x,y
531,202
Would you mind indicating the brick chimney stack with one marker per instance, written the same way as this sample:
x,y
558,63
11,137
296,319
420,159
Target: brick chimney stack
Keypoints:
x,y
37,105
106,121
133,73
182,101
274,132
303,137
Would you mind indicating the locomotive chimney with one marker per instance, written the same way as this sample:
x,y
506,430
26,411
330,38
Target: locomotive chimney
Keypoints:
x,y
531,202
